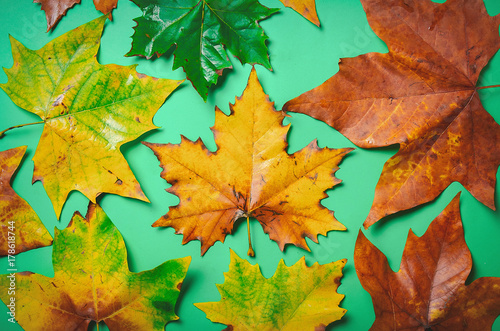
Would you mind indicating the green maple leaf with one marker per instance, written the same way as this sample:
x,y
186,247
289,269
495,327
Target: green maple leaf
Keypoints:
x,y
92,282
295,298
200,29
88,110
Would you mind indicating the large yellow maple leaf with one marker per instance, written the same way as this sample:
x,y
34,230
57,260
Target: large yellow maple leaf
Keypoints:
x,y
250,175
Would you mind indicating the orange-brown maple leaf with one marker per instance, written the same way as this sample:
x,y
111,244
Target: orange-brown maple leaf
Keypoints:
x,y
56,9
421,95
428,292
250,175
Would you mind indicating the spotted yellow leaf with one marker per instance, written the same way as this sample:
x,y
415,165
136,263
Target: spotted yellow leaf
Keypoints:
x,y
88,110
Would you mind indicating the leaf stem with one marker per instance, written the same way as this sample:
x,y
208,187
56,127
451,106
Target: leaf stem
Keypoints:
x,y
97,324
18,126
250,249
485,87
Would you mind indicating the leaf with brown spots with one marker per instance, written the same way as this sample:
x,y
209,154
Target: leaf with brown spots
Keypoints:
x,y
21,229
56,9
294,298
421,95
92,282
429,292
88,110
250,175
306,8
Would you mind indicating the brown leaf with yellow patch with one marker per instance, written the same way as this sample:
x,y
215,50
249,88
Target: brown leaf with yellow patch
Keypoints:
x,y
306,8
250,175
429,291
21,229
421,95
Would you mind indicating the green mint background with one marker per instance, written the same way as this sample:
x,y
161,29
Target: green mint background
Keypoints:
x,y
302,56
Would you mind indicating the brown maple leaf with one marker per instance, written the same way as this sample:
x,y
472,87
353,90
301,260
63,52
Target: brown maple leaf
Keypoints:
x,y
428,292
421,95
56,9
250,175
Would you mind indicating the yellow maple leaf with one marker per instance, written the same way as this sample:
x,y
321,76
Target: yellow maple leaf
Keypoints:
x,y
250,175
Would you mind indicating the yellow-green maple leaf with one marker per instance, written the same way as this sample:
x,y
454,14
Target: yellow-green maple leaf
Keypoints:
x,y
92,282
295,298
89,111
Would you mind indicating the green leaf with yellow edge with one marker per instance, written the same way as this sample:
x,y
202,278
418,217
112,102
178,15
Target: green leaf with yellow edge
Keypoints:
x,y
295,298
201,30
92,282
250,175
89,111
21,229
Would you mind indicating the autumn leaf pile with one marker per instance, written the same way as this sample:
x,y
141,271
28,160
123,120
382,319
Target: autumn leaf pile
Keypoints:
x,y
422,97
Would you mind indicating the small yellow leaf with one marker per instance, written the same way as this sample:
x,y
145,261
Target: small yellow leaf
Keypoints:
x,y
306,8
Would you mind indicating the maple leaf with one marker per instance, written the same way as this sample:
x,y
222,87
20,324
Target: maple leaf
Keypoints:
x,y
92,282
306,8
89,111
295,298
429,291
250,175
21,229
200,29
56,9
105,6
421,95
